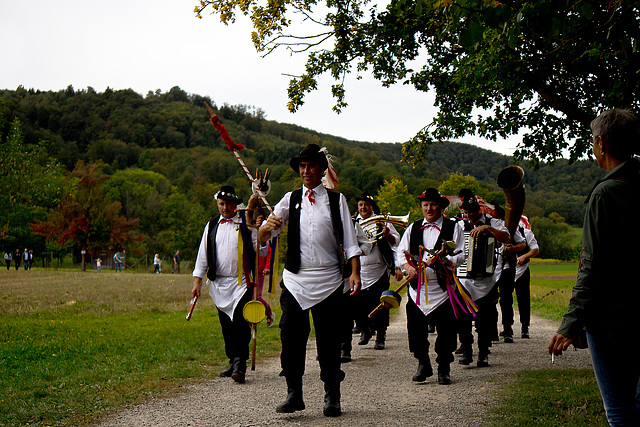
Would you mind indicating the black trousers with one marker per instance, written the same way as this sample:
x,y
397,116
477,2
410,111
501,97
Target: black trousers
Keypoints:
x,y
485,322
237,331
369,299
418,330
328,321
523,293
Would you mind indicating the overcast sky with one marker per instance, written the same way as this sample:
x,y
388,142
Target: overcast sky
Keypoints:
x,y
149,45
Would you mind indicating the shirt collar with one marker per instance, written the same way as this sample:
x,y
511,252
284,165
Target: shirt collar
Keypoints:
x,y
437,222
318,190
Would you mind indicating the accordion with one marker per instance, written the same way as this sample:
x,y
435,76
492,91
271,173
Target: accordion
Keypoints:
x,y
480,256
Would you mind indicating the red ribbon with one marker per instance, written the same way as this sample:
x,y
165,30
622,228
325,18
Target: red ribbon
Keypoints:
x,y
233,146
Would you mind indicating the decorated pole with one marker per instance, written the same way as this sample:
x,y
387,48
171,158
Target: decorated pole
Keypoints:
x,y
235,148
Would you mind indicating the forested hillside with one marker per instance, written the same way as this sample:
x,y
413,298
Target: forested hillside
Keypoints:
x,y
162,161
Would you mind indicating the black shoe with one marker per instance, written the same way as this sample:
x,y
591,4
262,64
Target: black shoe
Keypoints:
x,y
467,356
525,332
459,350
483,361
444,375
239,370
424,371
292,403
332,401
431,328
345,356
508,334
365,336
227,372
380,340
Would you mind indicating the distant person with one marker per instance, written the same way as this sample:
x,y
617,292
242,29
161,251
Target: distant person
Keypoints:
x,y
117,259
98,265
7,259
25,259
17,256
156,264
217,259
30,258
603,306
176,262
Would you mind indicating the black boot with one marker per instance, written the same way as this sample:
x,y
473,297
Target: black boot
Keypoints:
x,y
345,352
444,374
332,400
239,370
424,371
294,401
467,355
227,372
483,359
381,337
508,334
525,332
365,336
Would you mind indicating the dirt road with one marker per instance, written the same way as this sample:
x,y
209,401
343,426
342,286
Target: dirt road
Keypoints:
x,y
377,390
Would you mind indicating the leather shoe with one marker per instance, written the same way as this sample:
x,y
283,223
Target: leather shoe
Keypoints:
x,y
365,336
467,356
381,336
483,361
508,334
525,332
292,403
332,401
444,376
227,372
423,372
239,370
345,356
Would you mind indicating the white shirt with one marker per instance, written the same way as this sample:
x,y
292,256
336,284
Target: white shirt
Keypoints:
x,y
502,263
429,237
532,243
225,291
478,288
319,275
372,265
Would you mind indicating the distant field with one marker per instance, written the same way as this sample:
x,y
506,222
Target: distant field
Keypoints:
x,y
553,268
74,345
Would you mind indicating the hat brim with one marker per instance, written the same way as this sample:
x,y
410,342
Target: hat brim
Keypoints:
x,y
320,159
443,201
235,200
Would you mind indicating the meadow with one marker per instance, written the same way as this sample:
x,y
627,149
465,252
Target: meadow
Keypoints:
x,y
77,345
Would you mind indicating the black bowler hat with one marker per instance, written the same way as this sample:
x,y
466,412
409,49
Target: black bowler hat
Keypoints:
x,y
433,195
228,193
311,153
366,197
471,204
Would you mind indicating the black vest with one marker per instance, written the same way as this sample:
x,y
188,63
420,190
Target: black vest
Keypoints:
x,y
212,256
415,241
526,249
292,262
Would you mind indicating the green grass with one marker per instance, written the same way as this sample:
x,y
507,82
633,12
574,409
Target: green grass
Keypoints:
x,y
550,397
76,345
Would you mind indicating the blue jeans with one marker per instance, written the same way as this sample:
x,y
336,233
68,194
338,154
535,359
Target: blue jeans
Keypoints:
x,y
618,379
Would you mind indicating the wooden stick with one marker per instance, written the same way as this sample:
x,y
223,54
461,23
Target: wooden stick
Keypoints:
x,y
381,305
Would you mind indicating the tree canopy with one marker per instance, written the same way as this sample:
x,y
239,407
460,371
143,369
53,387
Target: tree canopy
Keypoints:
x,y
542,69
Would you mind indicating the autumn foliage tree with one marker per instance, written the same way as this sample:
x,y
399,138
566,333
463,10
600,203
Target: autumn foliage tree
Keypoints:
x,y
85,217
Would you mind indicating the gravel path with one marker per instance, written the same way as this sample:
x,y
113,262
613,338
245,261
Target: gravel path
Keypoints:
x,y
377,390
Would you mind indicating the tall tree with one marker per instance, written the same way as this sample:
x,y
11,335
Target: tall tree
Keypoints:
x,y
86,217
542,68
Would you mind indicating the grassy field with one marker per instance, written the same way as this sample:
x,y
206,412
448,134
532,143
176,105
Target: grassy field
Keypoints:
x,y
74,345
77,345
550,397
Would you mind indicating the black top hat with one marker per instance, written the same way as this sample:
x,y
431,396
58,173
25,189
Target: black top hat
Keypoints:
x,y
228,193
464,193
471,204
311,153
433,195
369,199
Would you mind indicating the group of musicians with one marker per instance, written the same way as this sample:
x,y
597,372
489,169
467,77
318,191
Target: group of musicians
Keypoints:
x,y
337,275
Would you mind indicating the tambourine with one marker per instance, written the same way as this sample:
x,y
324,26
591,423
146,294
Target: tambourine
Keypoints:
x,y
254,311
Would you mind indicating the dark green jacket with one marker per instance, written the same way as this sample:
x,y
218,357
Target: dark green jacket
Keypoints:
x,y
606,294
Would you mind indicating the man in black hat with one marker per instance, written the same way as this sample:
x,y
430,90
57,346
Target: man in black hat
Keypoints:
x,y
430,302
320,237
218,259
374,271
482,288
